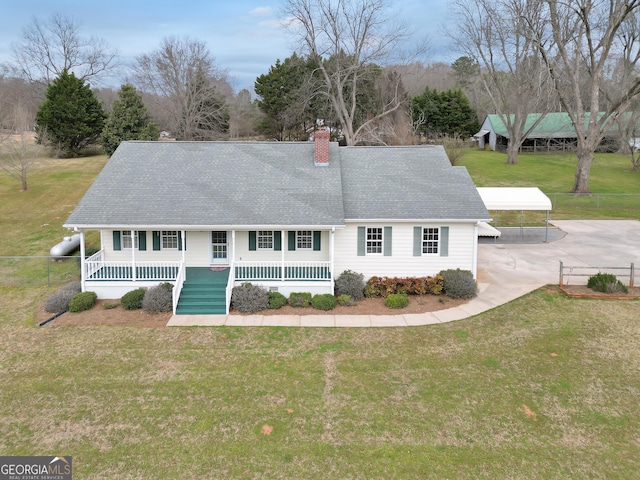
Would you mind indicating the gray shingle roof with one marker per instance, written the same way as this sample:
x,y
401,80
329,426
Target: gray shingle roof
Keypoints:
x,y
407,183
212,183
266,183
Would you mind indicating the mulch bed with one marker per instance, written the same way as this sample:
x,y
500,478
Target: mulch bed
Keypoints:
x,y
582,291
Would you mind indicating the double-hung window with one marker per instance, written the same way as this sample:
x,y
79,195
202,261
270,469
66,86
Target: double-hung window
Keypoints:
x,y
169,239
304,240
265,240
127,240
374,240
431,240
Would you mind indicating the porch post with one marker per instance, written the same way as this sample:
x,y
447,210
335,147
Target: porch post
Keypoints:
x,y
83,273
134,237
282,239
331,255
184,245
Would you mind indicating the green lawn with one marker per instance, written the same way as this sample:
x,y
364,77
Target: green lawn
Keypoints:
x,y
611,179
543,387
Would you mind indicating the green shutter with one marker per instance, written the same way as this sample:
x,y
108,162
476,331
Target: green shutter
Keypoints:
x,y
292,240
444,241
386,241
317,235
117,245
361,241
417,241
142,240
252,240
277,240
156,239
180,240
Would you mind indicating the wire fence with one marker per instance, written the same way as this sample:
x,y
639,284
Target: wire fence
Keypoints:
x,y
38,271
595,200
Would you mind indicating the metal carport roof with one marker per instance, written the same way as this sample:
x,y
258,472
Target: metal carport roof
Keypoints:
x,y
514,198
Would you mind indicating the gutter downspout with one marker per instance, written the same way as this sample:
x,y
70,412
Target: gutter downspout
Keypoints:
x,y
474,266
134,238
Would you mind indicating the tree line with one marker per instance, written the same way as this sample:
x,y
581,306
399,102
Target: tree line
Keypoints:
x,y
352,73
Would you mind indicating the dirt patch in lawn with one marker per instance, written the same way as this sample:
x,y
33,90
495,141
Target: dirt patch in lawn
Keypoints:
x,y
99,315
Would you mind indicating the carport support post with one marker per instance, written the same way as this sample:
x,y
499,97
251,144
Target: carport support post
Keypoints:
x,y
631,273
546,229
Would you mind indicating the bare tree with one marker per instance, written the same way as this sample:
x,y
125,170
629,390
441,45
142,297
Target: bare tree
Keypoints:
x,y
345,38
182,78
48,48
18,151
494,34
581,44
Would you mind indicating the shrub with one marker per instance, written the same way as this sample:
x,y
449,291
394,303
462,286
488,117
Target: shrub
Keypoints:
x,y
323,301
299,299
249,298
59,301
83,301
276,300
396,300
159,298
346,300
133,300
380,286
109,306
350,283
435,285
90,250
607,283
459,283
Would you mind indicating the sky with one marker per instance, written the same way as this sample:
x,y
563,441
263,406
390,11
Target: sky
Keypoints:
x,y
245,37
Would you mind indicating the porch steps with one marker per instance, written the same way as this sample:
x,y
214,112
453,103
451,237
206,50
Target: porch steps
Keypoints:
x,y
203,292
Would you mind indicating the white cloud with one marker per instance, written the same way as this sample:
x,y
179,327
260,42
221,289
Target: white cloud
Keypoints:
x,y
261,12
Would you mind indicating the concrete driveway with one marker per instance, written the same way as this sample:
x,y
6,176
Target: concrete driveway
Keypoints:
x,y
508,271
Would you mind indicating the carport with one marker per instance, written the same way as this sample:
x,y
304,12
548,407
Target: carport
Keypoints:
x,y
517,199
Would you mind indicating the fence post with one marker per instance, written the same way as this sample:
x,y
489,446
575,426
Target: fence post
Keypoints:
x,y
560,281
631,273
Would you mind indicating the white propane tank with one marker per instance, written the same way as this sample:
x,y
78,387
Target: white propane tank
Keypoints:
x,y
66,246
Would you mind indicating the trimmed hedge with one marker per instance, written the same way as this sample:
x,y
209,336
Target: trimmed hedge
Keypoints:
x,y
299,299
133,300
397,300
83,301
384,286
249,298
276,300
323,301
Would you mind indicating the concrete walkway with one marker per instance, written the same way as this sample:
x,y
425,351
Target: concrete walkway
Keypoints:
x,y
505,272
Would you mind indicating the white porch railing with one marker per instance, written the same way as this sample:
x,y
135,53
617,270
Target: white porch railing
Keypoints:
x,y
283,271
177,287
98,269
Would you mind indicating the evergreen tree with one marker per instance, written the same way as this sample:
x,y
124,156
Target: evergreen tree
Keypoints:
x,y
443,113
70,118
129,120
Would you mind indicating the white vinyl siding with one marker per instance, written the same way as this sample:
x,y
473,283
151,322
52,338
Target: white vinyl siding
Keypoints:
x,y
401,261
147,255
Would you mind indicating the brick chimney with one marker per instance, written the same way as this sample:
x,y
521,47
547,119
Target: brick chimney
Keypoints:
x,y
321,140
